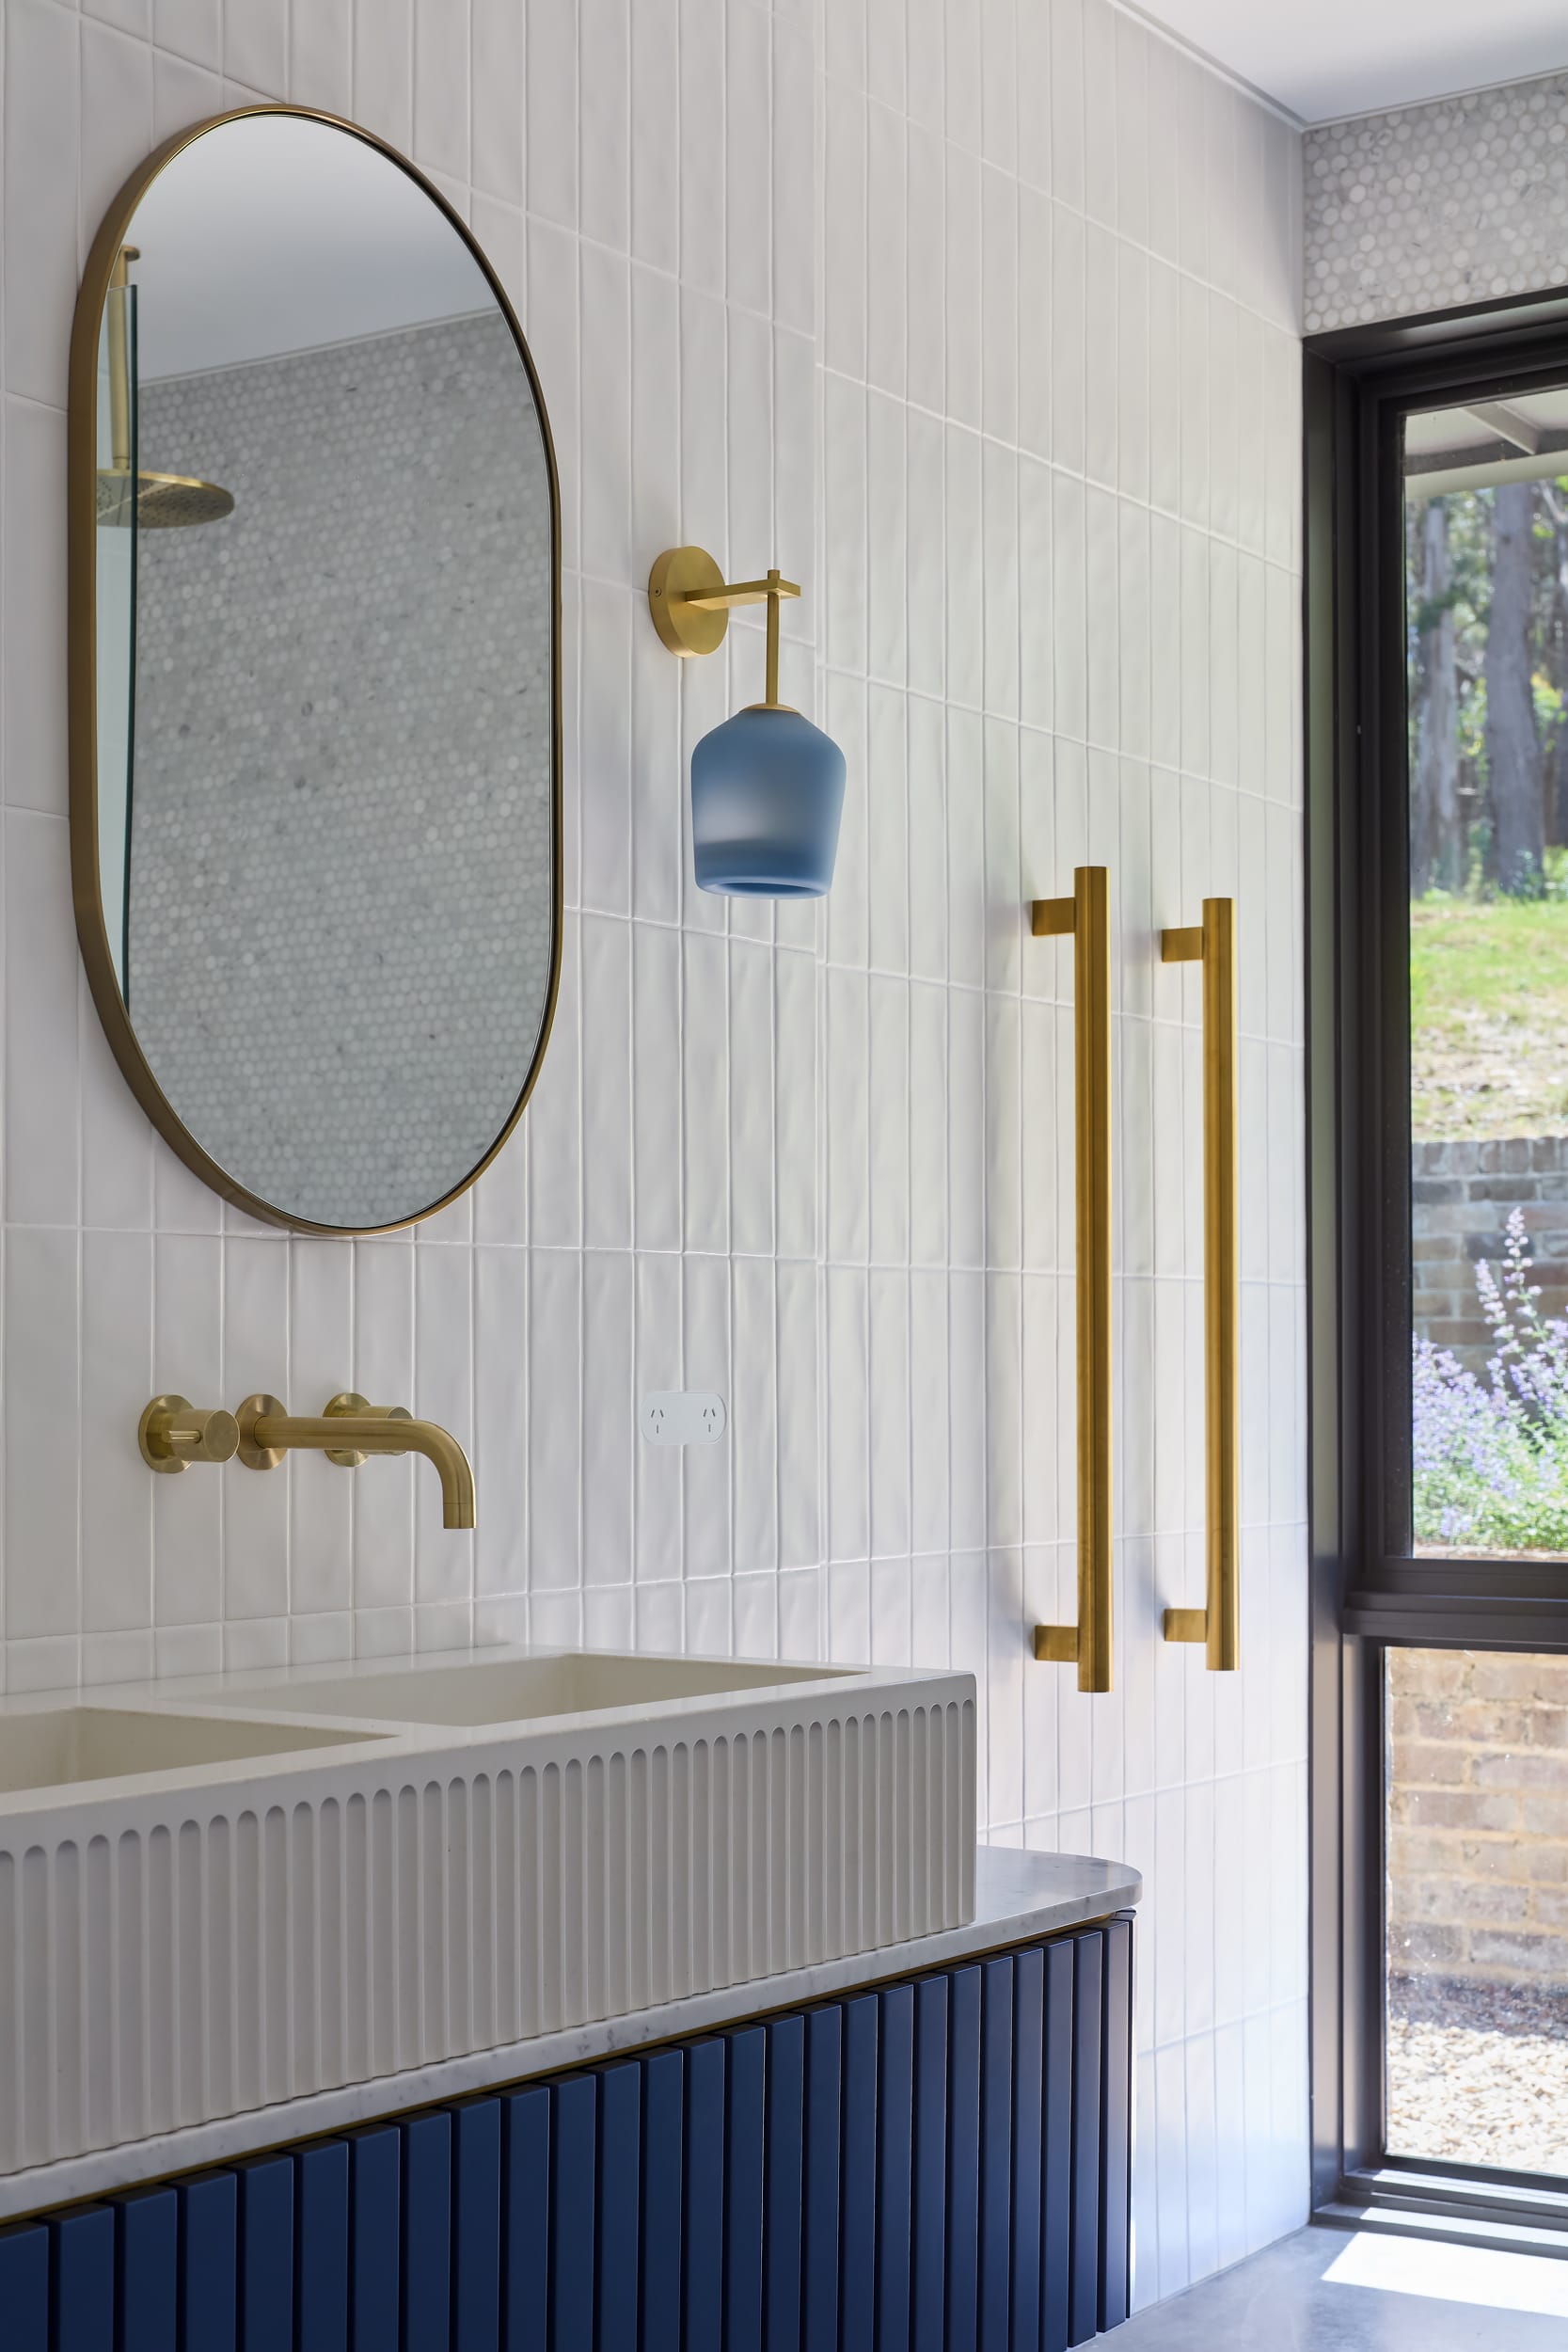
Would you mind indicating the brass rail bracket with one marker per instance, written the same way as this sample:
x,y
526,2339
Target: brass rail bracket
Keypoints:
x,y
1054,918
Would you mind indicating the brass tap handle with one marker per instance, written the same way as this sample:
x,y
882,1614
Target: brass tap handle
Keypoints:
x,y
1217,1624
1086,919
173,1433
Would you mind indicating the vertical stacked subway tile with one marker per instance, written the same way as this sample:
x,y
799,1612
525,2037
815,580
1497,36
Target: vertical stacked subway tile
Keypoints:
x,y
985,316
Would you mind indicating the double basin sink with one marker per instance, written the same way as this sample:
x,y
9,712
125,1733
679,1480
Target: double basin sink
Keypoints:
x,y
224,1892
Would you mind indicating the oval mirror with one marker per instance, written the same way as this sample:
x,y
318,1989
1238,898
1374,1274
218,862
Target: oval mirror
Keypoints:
x,y
315,677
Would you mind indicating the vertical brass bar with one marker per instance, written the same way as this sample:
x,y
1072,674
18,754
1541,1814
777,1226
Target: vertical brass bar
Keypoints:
x,y
1220,1284
1091,1016
1088,916
1217,1625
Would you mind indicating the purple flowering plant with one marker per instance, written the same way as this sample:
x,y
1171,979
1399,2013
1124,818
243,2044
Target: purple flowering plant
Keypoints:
x,y
1491,1458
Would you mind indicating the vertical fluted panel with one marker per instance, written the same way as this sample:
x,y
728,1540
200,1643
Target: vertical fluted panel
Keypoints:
x,y
935,2161
171,1967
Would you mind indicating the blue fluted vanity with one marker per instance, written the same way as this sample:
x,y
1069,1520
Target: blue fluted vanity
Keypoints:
x,y
923,2146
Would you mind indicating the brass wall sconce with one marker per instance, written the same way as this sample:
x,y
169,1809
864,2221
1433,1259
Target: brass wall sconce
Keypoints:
x,y
767,785
1217,1625
1086,918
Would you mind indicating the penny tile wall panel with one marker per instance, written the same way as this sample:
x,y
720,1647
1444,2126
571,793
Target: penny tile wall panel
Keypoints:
x,y
983,320
315,896
1427,208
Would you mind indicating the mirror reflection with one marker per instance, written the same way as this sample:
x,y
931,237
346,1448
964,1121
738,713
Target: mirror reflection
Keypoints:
x,y
325,675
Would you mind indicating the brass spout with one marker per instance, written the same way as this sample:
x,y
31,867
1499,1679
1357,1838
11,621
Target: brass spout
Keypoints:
x,y
348,1432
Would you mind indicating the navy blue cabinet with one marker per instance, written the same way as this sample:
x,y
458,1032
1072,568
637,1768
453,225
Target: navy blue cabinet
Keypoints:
x,y
938,2164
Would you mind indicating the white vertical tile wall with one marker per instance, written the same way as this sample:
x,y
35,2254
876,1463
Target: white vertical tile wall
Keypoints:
x,y
982,319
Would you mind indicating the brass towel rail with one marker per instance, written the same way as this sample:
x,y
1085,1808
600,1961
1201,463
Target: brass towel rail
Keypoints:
x,y
1087,915
1217,1625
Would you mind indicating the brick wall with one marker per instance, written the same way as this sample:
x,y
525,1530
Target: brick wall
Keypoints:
x,y
1478,1842
1461,1195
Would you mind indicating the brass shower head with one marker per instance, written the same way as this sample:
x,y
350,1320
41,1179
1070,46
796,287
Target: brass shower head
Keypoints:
x,y
162,501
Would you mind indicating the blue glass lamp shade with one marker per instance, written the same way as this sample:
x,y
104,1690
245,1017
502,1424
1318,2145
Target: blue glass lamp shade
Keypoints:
x,y
767,795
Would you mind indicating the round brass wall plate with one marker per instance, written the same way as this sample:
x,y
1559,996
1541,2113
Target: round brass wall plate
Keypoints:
x,y
684,627
255,1409
349,1401
346,1400
161,1406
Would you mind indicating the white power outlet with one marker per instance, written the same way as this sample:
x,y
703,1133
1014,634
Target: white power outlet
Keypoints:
x,y
682,1417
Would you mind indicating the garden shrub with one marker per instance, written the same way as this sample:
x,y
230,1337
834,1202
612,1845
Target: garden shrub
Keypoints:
x,y
1491,1458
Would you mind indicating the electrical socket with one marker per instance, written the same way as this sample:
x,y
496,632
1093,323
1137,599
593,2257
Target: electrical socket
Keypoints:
x,y
682,1417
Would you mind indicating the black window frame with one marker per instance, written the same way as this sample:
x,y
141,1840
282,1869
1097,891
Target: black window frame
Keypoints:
x,y
1368,1588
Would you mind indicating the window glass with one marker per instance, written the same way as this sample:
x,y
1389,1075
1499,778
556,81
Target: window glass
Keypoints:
x,y
1487,544
1478,1909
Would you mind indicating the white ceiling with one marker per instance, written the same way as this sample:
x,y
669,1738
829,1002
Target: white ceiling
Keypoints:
x,y
274,233
1325,58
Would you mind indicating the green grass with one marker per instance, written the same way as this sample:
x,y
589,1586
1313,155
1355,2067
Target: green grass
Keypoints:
x,y
1489,1017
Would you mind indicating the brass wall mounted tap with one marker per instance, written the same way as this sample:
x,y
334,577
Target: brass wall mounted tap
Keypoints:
x,y
348,1432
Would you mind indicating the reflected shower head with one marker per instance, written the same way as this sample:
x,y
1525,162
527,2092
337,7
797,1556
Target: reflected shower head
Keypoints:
x,y
162,501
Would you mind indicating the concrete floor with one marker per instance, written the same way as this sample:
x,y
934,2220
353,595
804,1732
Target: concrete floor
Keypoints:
x,y
1332,2291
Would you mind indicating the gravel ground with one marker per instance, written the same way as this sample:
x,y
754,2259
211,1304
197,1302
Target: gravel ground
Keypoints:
x,y
1479,2072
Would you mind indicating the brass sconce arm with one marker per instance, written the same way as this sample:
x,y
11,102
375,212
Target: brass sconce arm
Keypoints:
x,y
690,599
740,591
348,1432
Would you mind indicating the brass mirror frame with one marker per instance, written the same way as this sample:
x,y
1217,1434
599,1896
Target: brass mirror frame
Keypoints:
x,y
82,624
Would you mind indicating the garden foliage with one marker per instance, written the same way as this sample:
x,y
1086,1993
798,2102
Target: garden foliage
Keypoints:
x,y
1491,1458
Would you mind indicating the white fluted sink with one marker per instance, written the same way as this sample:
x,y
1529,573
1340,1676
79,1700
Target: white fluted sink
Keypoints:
x,y
66,1746
523,1690
222,1892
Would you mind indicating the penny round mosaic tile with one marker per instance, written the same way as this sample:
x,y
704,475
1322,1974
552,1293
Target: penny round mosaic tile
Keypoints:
x,y
1432,207
340,904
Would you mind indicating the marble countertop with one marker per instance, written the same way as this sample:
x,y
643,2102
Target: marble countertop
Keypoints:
x,y
1017,1896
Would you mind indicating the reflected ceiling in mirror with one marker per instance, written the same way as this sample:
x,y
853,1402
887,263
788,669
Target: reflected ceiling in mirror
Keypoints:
x,y
315,678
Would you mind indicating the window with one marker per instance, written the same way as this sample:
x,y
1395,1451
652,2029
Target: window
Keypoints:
x,y
1437,818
